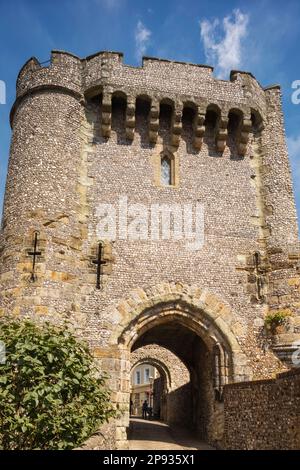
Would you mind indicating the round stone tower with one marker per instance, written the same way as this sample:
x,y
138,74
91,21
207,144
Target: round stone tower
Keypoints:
x,y
42,192
153,205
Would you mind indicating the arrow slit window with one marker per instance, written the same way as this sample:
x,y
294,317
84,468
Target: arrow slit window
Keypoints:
x,y
167,170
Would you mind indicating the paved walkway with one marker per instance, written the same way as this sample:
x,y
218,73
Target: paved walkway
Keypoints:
x,y
155,435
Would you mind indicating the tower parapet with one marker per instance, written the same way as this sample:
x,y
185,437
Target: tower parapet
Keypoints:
x,y
183,85
62,70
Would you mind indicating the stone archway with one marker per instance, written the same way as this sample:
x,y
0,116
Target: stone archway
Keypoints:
x,y
157,391
205,324
175,396
159,365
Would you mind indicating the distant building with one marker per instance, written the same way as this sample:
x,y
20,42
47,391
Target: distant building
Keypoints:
x,y
142,379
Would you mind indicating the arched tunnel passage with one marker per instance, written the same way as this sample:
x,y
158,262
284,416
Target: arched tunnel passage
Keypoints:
x,y
170,388
196,326
197,404
149,387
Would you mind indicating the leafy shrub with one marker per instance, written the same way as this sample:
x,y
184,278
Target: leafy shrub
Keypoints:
x,y
51,394
273,320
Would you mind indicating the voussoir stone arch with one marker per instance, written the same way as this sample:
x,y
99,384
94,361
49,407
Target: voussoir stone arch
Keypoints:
x,y
164,360
193,306
159,365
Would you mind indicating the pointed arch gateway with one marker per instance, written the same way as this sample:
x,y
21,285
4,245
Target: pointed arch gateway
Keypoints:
x,y
197,327
163,380
171,391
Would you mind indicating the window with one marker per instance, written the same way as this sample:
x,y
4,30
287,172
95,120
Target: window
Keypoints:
x,y
166,171
138,377
147,375
166,168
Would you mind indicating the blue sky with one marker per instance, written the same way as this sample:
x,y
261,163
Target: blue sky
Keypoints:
x,y
261,36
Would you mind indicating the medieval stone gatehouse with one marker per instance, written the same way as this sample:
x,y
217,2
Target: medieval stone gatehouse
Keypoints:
x,y
95,133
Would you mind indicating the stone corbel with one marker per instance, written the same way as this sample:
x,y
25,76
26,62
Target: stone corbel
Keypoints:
x,y
242,137
154,121
199,127
106,113
130,117
176,128
221,132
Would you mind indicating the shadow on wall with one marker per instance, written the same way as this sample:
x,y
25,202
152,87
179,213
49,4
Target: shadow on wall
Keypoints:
x,y
179,406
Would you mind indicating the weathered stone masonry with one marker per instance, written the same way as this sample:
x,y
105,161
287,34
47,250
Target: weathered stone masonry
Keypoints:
x,y
87,131
263,414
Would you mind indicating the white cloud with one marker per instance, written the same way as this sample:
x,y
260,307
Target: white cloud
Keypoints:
x,y
222,41
142,38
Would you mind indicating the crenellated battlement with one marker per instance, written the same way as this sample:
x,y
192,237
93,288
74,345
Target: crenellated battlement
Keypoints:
x,y
63,69
105,67
184,86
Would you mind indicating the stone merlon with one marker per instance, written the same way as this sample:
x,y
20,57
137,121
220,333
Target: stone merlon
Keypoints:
x,y
158,79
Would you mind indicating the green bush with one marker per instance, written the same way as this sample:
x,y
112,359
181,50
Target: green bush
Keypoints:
x,y
273,320
51,394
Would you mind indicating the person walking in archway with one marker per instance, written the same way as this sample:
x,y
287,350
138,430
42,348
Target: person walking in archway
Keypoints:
x,y
145,409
